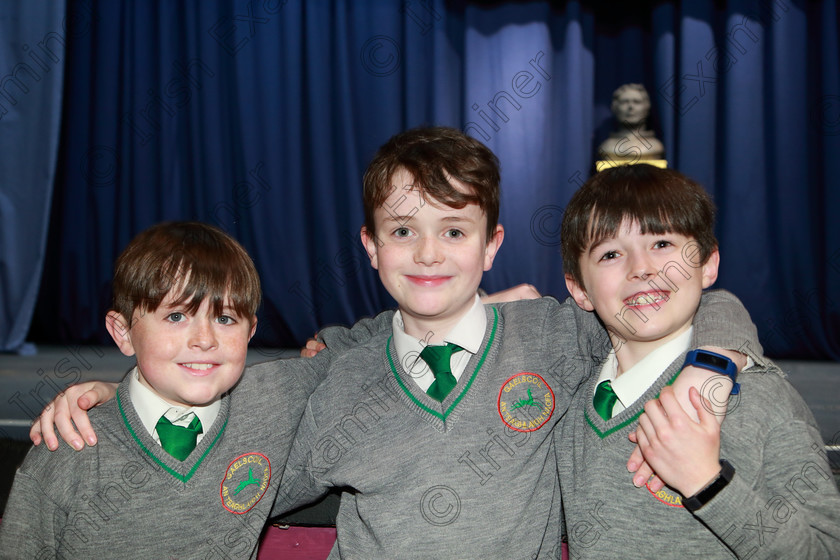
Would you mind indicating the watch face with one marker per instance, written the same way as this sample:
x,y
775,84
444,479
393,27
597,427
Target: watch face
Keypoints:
x,y
713,360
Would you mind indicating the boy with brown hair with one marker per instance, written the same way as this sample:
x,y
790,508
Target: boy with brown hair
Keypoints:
x,y
440,429
189,456
638,249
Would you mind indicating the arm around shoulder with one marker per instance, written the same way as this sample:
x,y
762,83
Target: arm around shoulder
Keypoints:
x,y
722,321
516,293
68,412
339,339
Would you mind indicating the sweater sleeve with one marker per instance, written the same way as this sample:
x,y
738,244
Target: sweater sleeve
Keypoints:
x,y
32,523
339,339
304,478
789,509
593,339
723,321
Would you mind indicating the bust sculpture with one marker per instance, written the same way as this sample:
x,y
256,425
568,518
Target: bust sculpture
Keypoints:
x,y
631,141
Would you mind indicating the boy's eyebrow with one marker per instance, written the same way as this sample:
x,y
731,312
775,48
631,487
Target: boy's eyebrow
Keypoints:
x,y
458,221
397,218
597,243
182,307
403,220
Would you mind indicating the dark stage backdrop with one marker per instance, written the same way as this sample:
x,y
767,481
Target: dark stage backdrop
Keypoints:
x,y
260,116
31,64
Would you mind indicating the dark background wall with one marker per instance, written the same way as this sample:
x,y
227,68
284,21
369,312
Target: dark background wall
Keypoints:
x,y
260,116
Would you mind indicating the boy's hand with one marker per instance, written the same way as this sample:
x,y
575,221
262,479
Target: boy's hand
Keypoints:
x,y
313,346
714,399
714,388
683,452
68,408
642,470
522,291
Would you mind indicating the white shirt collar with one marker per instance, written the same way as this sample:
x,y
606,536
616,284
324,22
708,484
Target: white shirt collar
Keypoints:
x,y
150,407
633,383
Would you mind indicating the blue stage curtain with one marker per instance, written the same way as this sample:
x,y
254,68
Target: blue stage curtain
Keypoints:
x,y
260,116
32,38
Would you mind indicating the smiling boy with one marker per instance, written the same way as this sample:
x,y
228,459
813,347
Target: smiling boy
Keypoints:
x,y
187,356
439,426
431,261
638,250
189,455
440,429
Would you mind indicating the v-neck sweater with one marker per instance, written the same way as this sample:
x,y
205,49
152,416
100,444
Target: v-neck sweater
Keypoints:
x,y
473,476
470,477
781,503
127,498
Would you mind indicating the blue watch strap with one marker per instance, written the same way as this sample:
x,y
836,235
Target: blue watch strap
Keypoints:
x,y
714,362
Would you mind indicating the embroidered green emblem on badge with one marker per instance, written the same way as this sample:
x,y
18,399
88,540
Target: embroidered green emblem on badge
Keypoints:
x,y
525,413
251,480
525,402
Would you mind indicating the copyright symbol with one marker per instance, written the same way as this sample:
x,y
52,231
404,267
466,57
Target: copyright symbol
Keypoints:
x,y
381,56
545,225
716,392
827,114
440,505
413,364
100,166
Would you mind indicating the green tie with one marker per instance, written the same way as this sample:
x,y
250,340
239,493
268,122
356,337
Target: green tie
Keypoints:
x,y
178,441
438,358
604,399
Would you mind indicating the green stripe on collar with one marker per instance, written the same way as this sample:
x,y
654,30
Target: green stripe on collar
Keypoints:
x,y
635,417
164,466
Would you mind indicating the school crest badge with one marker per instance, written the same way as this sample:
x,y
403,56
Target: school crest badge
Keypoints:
x,y
526,402
245,482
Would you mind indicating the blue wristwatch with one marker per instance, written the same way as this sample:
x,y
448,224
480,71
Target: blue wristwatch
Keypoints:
x,y
714,362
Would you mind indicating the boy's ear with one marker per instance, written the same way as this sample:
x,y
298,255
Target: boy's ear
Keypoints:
x,y
492,247
118,328
710,269
578,294
253,328
370,242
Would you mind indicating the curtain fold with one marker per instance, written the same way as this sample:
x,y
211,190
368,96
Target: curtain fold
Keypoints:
x,y
33,35
261,117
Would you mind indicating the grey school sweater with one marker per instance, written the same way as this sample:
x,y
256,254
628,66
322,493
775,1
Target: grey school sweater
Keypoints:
x,y
782,502
127,498
474,476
